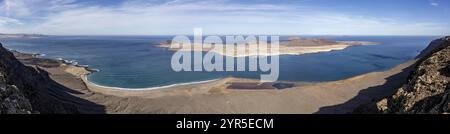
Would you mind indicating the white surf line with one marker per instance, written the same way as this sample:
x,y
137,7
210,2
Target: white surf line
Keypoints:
x,y
88,82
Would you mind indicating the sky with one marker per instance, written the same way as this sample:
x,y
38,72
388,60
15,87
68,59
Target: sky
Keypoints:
x,y
180,17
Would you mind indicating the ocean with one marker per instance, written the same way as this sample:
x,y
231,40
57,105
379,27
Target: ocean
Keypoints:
x,y
133,62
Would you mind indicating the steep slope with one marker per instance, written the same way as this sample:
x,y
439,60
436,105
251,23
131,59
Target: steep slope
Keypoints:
x,y
12,100
427,89
26,89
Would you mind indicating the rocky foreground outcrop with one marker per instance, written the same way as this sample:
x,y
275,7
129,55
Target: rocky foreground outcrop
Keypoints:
x,y
427,89
12,100
25,89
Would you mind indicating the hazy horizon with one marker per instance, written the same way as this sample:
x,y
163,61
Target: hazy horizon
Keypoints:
x,y
209,34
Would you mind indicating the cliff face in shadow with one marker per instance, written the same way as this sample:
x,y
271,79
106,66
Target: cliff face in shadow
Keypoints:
x,y
427,89
25,89
12,100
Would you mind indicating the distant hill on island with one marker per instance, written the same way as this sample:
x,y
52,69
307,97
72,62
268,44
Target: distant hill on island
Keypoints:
x,y
5,36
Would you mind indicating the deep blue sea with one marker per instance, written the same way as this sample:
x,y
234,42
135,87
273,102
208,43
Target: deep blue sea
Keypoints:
x,y
136,62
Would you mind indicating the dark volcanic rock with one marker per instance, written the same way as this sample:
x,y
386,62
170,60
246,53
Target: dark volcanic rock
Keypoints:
x,y
25,89
427,89
12,100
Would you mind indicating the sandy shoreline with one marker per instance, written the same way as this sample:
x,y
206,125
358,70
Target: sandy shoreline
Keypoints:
x,y
86,80
216,97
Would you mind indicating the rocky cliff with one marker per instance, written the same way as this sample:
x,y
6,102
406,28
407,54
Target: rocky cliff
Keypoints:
x,y
25,89
12,100
427,89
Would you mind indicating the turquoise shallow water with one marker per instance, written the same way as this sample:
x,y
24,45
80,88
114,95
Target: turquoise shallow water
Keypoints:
x,y
136,62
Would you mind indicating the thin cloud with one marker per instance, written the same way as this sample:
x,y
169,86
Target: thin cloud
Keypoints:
x,y
15,8
433,3
216,17
9,21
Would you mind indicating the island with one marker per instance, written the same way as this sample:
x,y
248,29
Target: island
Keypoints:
x,y
13,36
293,46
